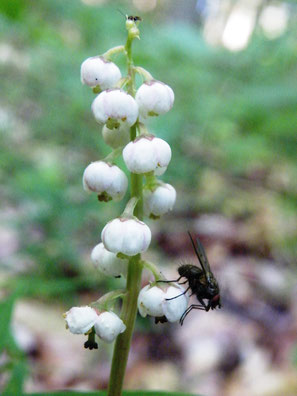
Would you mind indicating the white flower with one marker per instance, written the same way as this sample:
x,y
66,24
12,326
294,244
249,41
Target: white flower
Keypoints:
x,y
173,309
109,181
79,320
159,201
150,301
127,236
115,106
154,98
116,137
147,153
108,326
154,301
108,262
97,71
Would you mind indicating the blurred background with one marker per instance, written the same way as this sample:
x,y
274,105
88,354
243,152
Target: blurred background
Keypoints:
x,y
232,66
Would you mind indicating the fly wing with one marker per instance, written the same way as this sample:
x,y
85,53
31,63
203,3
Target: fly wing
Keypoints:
x,y
201,255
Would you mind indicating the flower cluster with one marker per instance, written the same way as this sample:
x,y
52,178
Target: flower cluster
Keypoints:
x,y
117,110
121,109
107,325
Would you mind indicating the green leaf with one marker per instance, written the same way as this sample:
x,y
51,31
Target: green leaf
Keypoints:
x,y
6,308
104,393
15,383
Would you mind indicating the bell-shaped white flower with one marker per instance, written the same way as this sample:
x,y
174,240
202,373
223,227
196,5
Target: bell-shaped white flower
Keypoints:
x,y
173,308
108,326
127,236
107,262
150,301
79,320
156,301
115,107
107,180
97,71
146,154
154,98
116,137
159,201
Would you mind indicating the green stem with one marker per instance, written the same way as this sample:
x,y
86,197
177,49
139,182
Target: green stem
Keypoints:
x,y
144,73
142,129
153,269
113,155
129,309
122,345
129,209
112,51
107,300
151,182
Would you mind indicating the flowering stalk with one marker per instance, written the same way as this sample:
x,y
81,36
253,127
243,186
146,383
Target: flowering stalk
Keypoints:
x,y
129,309
119,109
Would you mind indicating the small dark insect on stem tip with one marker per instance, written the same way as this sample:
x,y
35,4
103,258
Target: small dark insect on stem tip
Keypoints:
x,y
131,17
134,18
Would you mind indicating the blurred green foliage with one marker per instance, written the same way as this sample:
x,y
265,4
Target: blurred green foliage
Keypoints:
x,y
232,131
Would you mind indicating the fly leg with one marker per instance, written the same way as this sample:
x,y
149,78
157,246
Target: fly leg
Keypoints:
x,y
173,280
188,310
206,307
172,298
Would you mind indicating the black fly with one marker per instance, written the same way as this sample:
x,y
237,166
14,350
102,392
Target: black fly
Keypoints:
x,y
134,18
131,17
201,282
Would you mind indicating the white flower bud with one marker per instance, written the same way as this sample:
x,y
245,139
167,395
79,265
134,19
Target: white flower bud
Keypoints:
x,y
96,71
116,137
173,309
127,236
79,320
115,105
154,98
154,301
108,326
107,180
146,153
159,201
107,262
150,301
